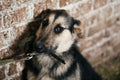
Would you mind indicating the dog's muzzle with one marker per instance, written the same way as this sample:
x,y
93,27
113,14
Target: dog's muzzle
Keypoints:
x,y
40,48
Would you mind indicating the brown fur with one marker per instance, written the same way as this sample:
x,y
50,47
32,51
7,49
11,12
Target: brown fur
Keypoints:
x,y
55,38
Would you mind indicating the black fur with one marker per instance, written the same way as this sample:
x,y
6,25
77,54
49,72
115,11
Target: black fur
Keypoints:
x,y
86,71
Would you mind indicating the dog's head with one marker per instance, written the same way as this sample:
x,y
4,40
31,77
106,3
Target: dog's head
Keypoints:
x,y
56,31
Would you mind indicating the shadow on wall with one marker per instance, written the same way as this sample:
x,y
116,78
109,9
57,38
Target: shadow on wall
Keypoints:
x,y
24,43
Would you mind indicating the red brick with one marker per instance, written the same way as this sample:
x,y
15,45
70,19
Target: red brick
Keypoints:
x,y
15,16
112,29
99,3
117,8
1,23
46,4
38,8
115,40
67,2
84,8
12,69
5,53
112,0
19,15
1,43
87,43
7,20
3,36
63,3
110,22
6,4
89,54
1,6
93,19
16,78
96,28
2,73
109,1
101,25
7,37
116,48
21,1
18,31
106,51
51,4
81,9
105,13
99,54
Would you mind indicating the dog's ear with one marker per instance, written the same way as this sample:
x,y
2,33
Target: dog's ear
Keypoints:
x,y
78,30
34,25
76,22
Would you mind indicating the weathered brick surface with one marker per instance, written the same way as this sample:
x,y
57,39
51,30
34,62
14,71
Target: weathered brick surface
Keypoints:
x,y
6,4
7,37
67,2
2,73
38,7
99,3
105,13
18,30
100,52
117,8
5,53
10,18
99,18
88,42
19,15
84,8
21,1
92,19
16,78
1,23
12,69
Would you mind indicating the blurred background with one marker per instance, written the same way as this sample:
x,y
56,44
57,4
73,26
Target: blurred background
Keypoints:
x,y
99,18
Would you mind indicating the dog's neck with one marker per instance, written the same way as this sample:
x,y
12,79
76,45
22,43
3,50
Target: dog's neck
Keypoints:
x,y
72,48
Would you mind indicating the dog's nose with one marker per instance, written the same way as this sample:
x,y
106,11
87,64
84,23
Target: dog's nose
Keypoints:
x,y
40,47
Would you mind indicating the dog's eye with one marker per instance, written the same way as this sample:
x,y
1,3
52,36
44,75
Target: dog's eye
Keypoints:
x,y
58,29
45,23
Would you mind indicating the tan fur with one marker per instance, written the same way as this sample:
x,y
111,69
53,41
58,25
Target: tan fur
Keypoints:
x,y
46,78
63,67
39,32
63,41
31,76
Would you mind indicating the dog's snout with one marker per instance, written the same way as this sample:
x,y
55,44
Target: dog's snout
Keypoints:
x,y
40,47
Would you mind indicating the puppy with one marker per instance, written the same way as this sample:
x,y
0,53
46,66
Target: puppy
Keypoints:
x,y
58,57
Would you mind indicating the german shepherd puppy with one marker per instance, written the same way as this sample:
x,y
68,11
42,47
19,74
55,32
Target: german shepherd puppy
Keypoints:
x,y
58,57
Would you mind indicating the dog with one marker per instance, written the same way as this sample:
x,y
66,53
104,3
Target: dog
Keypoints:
x,y
54,42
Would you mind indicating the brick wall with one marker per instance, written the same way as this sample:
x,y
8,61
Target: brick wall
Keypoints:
x,y
100,19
